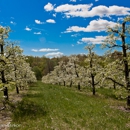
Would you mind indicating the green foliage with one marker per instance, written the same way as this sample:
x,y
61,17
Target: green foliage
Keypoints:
x,y
46,65
37,71
42,64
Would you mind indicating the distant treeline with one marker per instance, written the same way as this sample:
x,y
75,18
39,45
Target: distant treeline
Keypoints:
x,y
43,65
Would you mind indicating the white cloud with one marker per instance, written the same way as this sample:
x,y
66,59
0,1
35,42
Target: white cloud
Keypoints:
x,y
95,25
28,29
79,42
101,11
54,54
120,19
37,33
45,50
72,45
96,40
86,10
50,21
67,16
12,22
82,54
68,8
75,35
54,15
96,0
49,7
108,11
48,50
75,29
38,22
35,50
72,0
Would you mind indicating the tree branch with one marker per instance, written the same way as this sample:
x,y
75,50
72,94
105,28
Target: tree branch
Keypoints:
x,y
115,31
115,81
113,46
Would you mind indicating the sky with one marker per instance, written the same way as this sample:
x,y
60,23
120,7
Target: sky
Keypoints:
x,y
60,27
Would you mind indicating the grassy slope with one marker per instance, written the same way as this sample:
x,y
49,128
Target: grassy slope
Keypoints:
x,y
49,107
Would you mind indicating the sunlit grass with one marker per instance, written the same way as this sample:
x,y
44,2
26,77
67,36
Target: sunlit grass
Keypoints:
x,y
51,107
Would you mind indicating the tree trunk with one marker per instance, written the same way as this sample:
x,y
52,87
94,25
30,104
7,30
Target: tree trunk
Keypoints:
x,y
3,74
64,83
126,67
71,83
93,85
124,49
17,89
78,86
6,93
114,85
128,101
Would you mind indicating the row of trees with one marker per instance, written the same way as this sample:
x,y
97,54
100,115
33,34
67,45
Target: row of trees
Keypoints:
x,y
97,71
14,70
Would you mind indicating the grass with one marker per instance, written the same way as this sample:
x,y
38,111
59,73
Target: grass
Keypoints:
x,y
51,107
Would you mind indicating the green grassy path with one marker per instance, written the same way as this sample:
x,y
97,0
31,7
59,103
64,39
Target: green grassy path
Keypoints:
x,y
50,107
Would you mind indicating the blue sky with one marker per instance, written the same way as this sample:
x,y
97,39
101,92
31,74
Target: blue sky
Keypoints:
x,y
60,27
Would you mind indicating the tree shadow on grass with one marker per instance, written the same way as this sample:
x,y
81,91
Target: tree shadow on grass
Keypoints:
x,y
28,109
34,95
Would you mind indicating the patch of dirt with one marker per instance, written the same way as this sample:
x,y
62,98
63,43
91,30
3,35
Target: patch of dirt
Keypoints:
x,y
6,112
122,108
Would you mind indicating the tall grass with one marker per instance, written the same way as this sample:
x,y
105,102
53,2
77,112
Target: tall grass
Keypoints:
x,y
51,107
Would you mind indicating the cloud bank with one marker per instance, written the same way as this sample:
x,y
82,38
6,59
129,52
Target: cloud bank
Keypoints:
x,y
87,10
45,50
95,25
89,40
